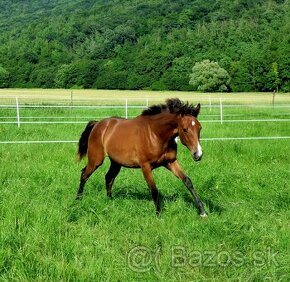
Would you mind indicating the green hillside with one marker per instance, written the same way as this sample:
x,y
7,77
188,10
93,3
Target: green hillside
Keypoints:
x,y
139,44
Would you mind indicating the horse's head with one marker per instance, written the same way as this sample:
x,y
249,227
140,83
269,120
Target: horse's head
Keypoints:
x,y
189,133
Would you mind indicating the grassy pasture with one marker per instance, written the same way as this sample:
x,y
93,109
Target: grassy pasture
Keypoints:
x,y
45,235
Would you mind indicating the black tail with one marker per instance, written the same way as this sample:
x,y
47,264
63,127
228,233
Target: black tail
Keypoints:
x,y
83,142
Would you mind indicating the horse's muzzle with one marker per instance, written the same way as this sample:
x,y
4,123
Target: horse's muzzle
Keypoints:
x,y
197,157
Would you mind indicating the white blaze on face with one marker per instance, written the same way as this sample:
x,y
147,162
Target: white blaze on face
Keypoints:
x,y
197,155
199,151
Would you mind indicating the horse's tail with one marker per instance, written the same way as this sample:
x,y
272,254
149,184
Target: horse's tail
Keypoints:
x,y
83,142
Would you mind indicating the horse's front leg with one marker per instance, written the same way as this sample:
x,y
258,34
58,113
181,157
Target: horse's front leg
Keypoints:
x,y
176,169
147,172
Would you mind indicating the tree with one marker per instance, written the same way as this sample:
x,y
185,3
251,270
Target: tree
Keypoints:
x,y
176,77
272,78
66,76
209,76
151,44
4,78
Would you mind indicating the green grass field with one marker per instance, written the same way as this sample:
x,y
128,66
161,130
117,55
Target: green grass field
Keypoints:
x,y
45,235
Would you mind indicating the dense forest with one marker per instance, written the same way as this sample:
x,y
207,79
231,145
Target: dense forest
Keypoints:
x,y
138,44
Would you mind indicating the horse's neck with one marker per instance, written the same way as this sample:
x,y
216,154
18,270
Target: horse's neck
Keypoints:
x,y
165,126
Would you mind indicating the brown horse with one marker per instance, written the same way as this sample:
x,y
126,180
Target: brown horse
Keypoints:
x,y
146,142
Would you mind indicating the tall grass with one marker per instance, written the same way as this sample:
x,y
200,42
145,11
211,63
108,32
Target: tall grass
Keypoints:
x,y
45,235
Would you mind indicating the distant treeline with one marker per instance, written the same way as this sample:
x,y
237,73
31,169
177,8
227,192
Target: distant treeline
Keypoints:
x,y
143,44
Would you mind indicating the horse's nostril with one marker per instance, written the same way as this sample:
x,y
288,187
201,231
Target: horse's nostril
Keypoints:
x,y
196,157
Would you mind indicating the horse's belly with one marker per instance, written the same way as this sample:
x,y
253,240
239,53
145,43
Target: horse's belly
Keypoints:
x,y
126,162
124,155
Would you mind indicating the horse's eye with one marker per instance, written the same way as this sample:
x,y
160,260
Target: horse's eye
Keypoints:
x,y
184,130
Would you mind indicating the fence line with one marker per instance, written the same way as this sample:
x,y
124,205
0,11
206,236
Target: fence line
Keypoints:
x,y
17,106
8,106
202,121
245,138
17,112
202,139
221,110
245,120
38,142
126,108
94,117
74,99
71,106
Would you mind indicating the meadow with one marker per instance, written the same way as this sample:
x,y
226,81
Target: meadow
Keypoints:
x,y
45,235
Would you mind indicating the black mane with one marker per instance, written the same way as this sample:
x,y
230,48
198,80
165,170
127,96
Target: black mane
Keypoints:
x,y
174,106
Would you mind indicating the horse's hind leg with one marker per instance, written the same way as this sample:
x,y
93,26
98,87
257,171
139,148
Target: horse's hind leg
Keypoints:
x,y
85,174
110,176
94,161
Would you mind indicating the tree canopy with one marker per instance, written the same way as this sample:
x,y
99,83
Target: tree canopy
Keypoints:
x,y
140,44
209,76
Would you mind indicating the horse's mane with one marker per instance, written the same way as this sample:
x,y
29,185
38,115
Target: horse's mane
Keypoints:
x,y
174,106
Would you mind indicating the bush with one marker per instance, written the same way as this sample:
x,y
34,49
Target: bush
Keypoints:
x,y
209,76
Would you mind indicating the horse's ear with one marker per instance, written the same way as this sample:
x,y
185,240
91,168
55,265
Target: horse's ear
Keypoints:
x,y
196,110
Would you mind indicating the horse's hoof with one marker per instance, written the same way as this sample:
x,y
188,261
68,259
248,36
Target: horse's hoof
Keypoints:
x,y
203,215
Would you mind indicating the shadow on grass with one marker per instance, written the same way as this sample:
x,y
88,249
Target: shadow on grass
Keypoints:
x,y
213,208
210,205
85,206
